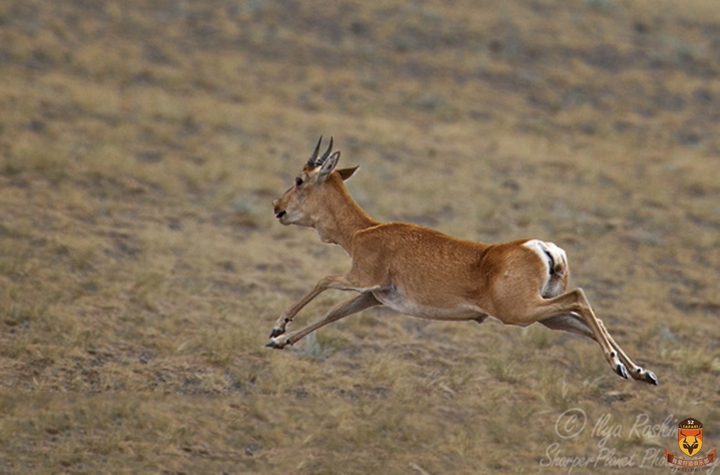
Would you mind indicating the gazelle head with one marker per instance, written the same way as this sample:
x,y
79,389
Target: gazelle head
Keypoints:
x,y
687,445
303,203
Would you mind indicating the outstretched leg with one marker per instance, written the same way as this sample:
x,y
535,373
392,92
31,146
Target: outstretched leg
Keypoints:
x,y
339,282
636,372
569,323
574,324
354,305
572,312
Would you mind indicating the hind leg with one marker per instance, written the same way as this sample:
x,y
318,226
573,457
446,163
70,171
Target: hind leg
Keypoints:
x,y
574,324
575,303
636,372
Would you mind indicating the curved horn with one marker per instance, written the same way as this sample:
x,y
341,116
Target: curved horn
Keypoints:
x,y
325,155
313,157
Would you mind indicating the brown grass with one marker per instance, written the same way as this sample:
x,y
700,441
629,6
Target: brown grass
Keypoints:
x,y
142,269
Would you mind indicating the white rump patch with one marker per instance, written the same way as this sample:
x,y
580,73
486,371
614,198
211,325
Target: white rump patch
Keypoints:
x,y
555,261
549,253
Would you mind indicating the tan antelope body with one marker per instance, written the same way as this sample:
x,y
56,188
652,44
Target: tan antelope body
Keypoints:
x,y
424,273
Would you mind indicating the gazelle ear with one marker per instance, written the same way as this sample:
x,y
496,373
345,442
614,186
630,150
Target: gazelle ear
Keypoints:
x,y
346,173
328,166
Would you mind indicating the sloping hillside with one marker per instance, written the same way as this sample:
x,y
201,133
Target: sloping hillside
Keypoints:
x,y
141,144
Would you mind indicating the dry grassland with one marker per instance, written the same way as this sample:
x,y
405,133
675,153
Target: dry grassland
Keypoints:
x,y
141,266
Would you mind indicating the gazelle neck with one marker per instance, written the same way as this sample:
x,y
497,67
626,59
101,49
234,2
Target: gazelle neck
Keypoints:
x,y
338,222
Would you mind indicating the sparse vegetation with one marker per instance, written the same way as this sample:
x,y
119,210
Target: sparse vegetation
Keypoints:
x,y
142,269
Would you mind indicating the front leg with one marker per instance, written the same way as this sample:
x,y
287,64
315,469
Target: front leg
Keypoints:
x,y
339,282
354,305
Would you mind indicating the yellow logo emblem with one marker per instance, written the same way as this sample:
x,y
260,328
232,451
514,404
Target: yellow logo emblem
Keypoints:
x,y
690,441
690,436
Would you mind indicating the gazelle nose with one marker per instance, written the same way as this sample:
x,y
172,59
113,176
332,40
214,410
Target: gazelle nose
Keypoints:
x,y
279,213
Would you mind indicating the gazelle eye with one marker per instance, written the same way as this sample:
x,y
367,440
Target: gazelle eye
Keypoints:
x,y
298,181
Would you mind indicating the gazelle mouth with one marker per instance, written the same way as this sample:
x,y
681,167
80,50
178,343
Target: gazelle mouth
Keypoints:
x,y
280,214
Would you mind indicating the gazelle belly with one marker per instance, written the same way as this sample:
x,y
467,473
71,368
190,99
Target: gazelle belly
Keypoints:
x,y
398,301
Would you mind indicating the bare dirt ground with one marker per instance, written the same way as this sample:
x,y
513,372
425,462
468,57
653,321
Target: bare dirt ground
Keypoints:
x,y
142,269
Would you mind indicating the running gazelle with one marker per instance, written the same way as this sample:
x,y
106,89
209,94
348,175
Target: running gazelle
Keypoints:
x,y
424,273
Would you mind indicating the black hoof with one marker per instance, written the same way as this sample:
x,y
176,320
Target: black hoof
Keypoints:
x,y
621,370
276,332
274,344
651,378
